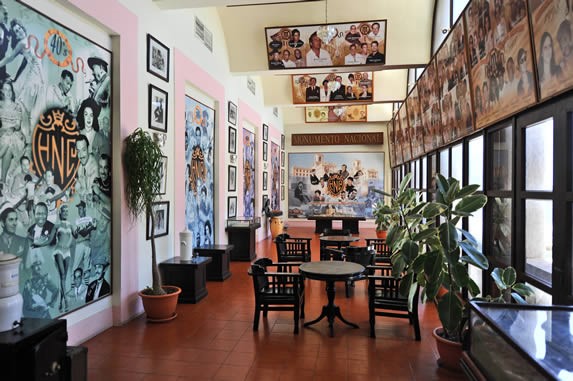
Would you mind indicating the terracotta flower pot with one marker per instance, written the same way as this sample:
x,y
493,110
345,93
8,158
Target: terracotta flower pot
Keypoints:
x,y
381,234
161,308
450,351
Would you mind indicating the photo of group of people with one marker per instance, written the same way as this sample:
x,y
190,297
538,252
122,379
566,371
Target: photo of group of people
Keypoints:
x,y
249,173
415,122
332,87
429,92
335,114
501,59
404,133
55,161
553,36
334,183
199,156
351,44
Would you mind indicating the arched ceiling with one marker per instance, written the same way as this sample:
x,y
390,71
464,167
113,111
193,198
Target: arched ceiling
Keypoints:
x,y
409,35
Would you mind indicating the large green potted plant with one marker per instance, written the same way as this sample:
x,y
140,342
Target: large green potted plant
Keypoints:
x,y
383,218
142,160
430,250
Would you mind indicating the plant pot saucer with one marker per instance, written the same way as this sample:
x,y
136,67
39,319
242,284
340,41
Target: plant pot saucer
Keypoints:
x,y
163,320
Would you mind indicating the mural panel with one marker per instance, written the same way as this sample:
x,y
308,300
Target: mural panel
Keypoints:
x,y
199,154
249,173
275,176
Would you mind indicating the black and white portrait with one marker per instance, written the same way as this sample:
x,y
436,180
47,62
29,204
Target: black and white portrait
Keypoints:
x,y
157,58
158,103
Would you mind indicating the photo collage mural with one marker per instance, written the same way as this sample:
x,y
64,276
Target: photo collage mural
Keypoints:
x,y
55,161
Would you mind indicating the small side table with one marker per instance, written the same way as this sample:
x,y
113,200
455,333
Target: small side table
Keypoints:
x,y
189,275
219,268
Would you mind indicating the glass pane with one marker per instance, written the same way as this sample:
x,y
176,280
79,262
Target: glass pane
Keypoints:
x,y
475,227
424,172
458,7
539,297
457,162
501,228
475,164
539,239
415,174
444,163
441,22
539,156
476,275
502,153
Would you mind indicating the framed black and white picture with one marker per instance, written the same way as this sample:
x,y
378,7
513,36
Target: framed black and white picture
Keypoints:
x,y
265,132
157,109
157,58
163,184
232,113
282,176
231,207
282,158
265,199
161,217
232,173
265,151
265,180
282,193
232,140
282,142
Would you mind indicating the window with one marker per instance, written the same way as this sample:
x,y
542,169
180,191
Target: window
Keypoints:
x,y
539,156
501,209
441,23
539,239
475,161
458,7
502,154
445,162
458,162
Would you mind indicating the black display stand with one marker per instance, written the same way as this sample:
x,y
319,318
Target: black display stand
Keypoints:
x,y
189,275
244,240
35,351
219,268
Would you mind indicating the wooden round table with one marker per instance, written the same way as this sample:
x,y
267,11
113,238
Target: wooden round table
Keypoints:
x,y
330,272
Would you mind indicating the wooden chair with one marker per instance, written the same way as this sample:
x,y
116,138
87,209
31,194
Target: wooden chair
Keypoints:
x,y
384,299
360,255
383,251
279,290
327,255
293,249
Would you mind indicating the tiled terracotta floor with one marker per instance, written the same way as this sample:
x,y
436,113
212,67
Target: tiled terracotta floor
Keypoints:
x,y
213,340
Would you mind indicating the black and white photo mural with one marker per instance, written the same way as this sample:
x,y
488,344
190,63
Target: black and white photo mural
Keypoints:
x,y
55,161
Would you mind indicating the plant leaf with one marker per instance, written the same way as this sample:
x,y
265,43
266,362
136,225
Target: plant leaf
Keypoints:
x,y
473,288
442,184
405,182
468,236
433,209
424,234
523,289
468,190
509,276
410,250
460,274
448,236
474,255
450,312
470,204
497,276
518,298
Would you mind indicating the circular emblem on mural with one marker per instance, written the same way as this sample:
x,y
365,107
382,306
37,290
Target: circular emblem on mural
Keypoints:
x,y
58,47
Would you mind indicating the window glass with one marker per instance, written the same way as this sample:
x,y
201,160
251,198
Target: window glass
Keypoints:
x,y
432,180
441,22
539,239
539,156
411,80
458,7
414,168
444,163
424,172
539,297
475,226
502,154
501,228
475,162
476,275
457,162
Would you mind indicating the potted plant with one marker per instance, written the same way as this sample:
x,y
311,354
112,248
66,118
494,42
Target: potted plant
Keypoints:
x,y
430,250
383,217
142,160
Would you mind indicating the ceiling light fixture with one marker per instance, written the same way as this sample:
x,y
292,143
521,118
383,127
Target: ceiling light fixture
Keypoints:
x,y
326,32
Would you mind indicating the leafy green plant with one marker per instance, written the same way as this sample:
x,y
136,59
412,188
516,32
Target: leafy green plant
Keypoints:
x,y
383,215
142,167
508,287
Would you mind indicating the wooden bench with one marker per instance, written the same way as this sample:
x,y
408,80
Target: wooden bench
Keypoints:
x,y
325,222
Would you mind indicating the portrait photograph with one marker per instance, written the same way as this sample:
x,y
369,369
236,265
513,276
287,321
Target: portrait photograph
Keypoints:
x,y
161,217
232,148
232,113
335,114
231,207
405,133
249,172
348,87
282,142
163,184
265,151
282,158
429,93
265,180
232,175
157,58
415,120
274,179
157,109
265,199
358,43
265,132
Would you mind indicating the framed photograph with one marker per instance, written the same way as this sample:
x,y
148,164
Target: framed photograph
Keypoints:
x,y
265,132
282,193
282,158
232,173
265,198
265,151
265,180
232,113
282,176
157,108
232,207
347,87
161,216
157,58
163,184
282,142
336,114
232,140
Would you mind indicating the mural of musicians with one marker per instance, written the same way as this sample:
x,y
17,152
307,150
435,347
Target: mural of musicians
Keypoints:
x,y
57,221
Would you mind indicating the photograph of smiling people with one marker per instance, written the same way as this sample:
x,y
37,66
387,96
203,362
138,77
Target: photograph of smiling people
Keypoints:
x,y
332,87
355,43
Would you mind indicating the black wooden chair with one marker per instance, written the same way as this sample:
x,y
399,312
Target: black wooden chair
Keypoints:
x,y
293,249
384,299
383,251
278,290
360,255
327,255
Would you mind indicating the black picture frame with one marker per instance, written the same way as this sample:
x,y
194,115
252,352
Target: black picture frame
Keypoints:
x,y
163,183
157,58
265,198
161,210
232,148
282,176
265,133
282,159
157,106
282,141
282,193
265,180
232,178
265,151
232,207
232,113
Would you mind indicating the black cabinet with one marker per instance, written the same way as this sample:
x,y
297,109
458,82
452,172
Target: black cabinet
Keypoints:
x,y
189,275
36,351
243,238
219,268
